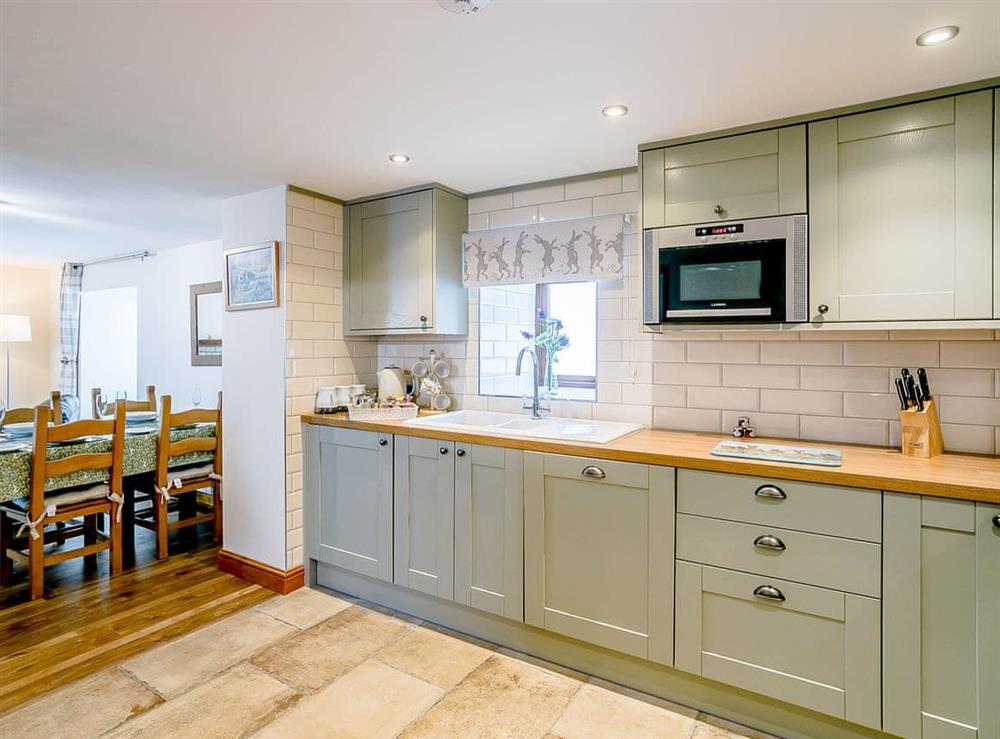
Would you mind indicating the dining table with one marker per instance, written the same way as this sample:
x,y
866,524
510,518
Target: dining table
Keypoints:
x,y
138,465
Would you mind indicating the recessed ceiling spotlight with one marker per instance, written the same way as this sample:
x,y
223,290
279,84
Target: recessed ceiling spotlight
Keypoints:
x,y
465,7
399,158
937,36
615,111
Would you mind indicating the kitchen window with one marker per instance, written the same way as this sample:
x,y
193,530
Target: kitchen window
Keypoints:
x,y
558,319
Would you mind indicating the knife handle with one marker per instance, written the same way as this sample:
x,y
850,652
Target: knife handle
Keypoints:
x,y
919,396
925,387
911,388
901,392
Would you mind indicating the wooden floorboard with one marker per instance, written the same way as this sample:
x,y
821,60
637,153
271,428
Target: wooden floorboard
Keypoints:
x,y
90,621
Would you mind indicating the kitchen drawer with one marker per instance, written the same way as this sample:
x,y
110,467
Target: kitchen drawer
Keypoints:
x,y
812,647
625,474
826,561
821,509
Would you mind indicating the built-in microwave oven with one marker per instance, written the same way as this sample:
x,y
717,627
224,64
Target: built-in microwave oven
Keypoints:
x,y
750,271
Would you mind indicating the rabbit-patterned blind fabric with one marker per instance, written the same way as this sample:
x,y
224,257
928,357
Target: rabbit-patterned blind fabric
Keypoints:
x,y
564,251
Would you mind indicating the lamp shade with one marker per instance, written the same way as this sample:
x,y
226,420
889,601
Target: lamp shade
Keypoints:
x,y
14,328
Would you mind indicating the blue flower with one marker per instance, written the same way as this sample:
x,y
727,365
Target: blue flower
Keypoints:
x,y
563,341
526,335
541,314
559,324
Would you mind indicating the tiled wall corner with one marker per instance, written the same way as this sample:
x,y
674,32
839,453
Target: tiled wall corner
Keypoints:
x,y
316,352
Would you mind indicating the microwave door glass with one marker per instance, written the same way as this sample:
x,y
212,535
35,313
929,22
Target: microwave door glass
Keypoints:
x,y
723,281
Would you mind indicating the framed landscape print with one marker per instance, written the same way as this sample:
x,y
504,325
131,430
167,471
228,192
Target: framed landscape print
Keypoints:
x,y
251,274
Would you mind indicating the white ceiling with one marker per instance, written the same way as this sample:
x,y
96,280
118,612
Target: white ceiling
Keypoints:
x,y
124,123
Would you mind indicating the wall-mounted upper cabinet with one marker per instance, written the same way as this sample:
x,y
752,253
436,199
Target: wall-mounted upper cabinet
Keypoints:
x,y
403,264
747,176
901,212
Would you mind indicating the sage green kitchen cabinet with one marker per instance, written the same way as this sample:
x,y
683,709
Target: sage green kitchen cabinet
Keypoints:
x,y
996,203
403,264
489,522
424,516
746,176
348,487
901,212
598,552
812,647
941,618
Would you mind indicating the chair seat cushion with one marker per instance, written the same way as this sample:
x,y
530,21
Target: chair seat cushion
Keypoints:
x,y
62,498
184,474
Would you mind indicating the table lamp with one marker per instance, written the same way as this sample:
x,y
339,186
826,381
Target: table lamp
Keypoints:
x,y
13,328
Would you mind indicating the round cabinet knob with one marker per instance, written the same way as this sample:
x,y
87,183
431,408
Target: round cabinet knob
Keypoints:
x,y
443,450
460,452
719,210
996,520
423,319
823,308
383,442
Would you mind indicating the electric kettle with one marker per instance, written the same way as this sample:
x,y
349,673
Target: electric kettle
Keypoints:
x,y
391,382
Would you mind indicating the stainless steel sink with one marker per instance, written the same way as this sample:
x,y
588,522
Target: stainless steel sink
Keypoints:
x,y
513,424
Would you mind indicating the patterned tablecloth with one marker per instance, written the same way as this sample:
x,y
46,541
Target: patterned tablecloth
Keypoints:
x,y
140,457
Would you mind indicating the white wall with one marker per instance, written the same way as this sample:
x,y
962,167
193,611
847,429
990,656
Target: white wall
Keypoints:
x,y
253,372
34,292
109,350
163,282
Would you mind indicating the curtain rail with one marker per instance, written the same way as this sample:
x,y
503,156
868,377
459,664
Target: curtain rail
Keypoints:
x,y
121,258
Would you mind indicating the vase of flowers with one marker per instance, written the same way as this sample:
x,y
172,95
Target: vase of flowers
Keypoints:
x,y
553,340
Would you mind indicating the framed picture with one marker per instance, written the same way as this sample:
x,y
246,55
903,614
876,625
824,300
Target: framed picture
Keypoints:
x,y
251,274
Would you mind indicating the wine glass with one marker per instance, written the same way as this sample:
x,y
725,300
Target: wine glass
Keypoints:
x,y
196,396
102,404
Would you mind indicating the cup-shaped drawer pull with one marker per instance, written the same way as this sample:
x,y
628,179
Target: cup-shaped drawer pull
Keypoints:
x,y
595,472
769,541
772,492
996,520
769,592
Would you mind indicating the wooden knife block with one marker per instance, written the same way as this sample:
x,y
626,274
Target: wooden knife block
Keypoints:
x,y
921,432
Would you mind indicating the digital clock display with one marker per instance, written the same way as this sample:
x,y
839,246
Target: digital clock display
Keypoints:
x,y
729,228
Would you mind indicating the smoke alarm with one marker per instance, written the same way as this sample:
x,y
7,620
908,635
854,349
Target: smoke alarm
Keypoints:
x,y
465,7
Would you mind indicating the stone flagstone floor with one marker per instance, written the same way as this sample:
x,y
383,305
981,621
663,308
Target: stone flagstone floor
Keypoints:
x,y
311,665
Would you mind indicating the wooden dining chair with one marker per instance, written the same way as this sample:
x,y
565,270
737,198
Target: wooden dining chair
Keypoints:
x,y
27,415
170,482
41,509
149,404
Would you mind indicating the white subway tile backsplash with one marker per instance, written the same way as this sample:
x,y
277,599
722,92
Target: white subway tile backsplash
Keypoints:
x,y
969,382
811,402
537,195
566,210
479,221
626,202
780,425
891,353
486,203
723,398
687,374
687,419
844,430
859,379
668,351
972,439
978,411
871,405
972,354
674,396
593,186
724,352
630,182
514,217
801,352
760,375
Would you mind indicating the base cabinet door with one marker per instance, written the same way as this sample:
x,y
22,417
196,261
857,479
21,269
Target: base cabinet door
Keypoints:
x,y
809,646
348,484
489,521
424,515
598,552
888,184
941,618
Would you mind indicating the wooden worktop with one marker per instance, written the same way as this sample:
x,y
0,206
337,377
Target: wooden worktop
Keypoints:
x,y
964,476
